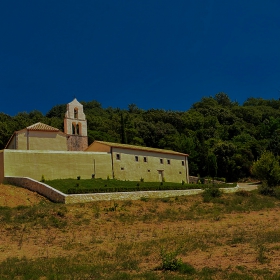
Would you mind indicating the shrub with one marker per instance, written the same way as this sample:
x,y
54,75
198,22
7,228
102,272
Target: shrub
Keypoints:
x,y
266,190
243,193
277,193
43,179
186,268
169,260
220,179
211,193
267,169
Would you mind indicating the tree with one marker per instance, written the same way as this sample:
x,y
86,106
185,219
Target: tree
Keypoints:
x,y
222,99
224,152
212,166
267,169
123,132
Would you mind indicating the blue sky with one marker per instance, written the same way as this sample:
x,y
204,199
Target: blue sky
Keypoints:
x,y
154,53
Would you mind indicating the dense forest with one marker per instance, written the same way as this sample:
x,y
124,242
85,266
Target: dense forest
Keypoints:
x,y
221,137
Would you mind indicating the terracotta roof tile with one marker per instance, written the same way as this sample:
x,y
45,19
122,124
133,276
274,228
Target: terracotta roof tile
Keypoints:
x,y
134,147
42,127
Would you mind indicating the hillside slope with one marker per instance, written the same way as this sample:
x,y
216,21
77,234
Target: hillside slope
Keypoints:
x,y
11,196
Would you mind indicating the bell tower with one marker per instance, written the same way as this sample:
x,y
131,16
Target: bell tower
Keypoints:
x,y
75,126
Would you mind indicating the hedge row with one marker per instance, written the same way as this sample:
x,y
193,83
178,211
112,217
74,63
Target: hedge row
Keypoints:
x,y
128,189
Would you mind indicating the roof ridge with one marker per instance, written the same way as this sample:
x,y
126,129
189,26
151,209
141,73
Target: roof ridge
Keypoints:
x,y
42,126
128,146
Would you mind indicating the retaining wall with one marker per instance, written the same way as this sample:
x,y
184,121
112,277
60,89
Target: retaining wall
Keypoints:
x,y
194,179
39,187
57,196
75,198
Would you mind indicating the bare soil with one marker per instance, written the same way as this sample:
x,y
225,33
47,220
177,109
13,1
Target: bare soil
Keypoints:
x,y
11,196
231,240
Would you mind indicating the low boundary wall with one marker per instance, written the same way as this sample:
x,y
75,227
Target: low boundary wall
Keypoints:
x,y
39,187
57,196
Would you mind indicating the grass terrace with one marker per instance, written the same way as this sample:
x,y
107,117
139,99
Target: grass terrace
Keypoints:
x,y
79,186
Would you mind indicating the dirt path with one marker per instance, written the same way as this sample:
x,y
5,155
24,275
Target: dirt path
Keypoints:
x,y
248,186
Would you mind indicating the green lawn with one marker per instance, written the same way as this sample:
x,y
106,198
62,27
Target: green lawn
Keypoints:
x,y
73,186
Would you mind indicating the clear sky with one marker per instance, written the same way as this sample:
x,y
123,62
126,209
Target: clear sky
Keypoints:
x,y
158,54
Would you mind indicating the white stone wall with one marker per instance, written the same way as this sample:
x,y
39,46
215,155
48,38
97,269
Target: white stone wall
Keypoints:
x,y
39,187
58,196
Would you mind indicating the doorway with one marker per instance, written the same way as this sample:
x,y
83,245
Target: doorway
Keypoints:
x,y
160,175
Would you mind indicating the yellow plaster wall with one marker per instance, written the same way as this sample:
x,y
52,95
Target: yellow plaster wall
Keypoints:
x,y
42,140
21,140
56,165
1,166
128,169
12,144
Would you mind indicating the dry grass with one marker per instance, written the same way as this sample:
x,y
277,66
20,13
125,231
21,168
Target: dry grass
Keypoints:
x,y
233,237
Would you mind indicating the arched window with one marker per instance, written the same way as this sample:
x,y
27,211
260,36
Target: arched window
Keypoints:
x,y
75,113
73,128
78,129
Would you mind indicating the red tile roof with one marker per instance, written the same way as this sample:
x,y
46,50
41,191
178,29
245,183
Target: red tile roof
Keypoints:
x,y
41,127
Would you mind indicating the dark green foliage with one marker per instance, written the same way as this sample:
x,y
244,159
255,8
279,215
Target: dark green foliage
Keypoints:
x,y
214,128
211,193
267,169
70,186
269,191
212,166
186,268
170,261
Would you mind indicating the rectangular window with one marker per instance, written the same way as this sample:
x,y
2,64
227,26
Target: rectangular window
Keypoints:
x,y
118,157
145,159
183,163
136,158
168,161
161,161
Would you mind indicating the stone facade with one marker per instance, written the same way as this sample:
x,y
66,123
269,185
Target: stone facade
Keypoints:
x,y
77,143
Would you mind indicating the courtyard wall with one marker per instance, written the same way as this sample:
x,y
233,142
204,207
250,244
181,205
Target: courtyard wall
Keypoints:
x,y
55,164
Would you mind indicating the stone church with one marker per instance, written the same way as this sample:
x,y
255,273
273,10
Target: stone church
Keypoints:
x,y
40,136
41,150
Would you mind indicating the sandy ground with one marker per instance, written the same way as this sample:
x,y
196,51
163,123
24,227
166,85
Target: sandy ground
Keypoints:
x,y
86,232
12,196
